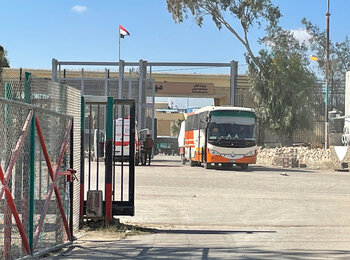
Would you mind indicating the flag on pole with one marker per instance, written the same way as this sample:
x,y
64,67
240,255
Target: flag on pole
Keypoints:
x,y
123,31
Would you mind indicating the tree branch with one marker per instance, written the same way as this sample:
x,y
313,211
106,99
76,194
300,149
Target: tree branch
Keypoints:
x,y
245,42
211,9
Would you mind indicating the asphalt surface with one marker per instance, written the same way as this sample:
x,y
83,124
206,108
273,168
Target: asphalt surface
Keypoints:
x,y
262,213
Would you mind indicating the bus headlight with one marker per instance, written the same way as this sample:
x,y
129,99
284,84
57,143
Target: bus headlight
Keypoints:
x,y
213,152
251,153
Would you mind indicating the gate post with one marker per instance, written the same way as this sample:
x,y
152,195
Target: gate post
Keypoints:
x,y
71,184
27,166
109,161
233,82
7,211
82,160
31,185
132,159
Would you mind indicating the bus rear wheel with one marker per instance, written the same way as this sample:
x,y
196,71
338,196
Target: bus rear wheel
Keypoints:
x,y
183,160
206,165
192,163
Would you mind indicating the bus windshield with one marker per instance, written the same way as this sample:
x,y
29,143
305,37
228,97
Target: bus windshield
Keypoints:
x,y
231,125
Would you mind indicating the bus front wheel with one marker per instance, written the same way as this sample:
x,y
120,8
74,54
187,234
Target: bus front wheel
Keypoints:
x,y
244,166
226,165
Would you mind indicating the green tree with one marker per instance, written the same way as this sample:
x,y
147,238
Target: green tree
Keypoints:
x,y
339,61
3,60
286,96
176,127
247,12
281,83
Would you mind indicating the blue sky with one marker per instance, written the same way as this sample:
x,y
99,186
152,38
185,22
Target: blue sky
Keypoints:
x,y
33,32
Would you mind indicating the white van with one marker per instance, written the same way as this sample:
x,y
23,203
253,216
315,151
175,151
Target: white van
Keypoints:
x,y
122,145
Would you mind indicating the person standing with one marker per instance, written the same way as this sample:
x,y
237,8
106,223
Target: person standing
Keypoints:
x,y
148,146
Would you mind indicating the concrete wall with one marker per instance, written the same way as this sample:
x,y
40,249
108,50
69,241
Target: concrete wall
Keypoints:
x,y
165,122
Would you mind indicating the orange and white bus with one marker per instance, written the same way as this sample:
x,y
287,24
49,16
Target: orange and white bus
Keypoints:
x,y
222,135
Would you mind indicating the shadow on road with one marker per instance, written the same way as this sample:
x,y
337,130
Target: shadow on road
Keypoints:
x,y
160,165
261,169
125,251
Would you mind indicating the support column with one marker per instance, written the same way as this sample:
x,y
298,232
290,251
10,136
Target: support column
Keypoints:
x,y
120,85
54,71
106,82
139,103
129,86
233,82
82,87
142,94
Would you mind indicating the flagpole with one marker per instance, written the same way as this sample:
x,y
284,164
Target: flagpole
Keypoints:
x,y
119,41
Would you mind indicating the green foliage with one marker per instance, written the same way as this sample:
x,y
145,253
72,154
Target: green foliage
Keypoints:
x,y
247,12
286,91
176,127
339,61
3,60
283,87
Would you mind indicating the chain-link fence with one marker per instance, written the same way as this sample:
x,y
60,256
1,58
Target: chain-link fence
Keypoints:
x,y
32,178
130,90
245,98
29,180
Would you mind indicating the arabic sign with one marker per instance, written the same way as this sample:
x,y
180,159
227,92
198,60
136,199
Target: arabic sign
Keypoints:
x,y
184,88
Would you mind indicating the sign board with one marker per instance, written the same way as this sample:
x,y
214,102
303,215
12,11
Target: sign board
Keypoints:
x,y
184,88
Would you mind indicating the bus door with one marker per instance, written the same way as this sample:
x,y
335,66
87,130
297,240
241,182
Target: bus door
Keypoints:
x,y
202,138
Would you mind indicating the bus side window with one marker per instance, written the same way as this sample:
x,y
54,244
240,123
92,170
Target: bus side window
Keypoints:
x,y
195,122
203,120
187,124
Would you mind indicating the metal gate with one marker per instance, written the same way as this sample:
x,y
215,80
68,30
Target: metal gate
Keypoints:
x,y
36,188
108,157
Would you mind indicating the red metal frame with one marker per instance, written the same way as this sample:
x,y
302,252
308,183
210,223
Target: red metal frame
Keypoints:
x,y
16,151
14,212
5,179
54,175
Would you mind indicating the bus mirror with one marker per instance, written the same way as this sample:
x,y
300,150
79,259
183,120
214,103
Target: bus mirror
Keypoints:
x,y
208,118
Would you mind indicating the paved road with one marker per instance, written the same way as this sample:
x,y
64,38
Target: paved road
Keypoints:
x,y
263,213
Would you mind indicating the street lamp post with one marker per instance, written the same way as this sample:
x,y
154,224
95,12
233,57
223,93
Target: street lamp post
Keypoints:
x,y
326,143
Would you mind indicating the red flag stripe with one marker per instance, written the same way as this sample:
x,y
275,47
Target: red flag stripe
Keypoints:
x,y
123,31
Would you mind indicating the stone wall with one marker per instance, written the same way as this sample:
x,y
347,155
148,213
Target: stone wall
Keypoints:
x,y
317,158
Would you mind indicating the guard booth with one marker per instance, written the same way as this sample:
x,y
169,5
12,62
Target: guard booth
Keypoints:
x,y
107,181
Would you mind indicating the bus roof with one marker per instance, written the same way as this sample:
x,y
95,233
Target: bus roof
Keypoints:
x,y
213,108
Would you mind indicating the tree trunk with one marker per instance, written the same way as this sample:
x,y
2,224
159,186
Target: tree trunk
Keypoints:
x,y
284,139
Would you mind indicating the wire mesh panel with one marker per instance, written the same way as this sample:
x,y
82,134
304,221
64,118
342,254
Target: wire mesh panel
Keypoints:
x,y
40,214
54,129
56,97
12,121
27,200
